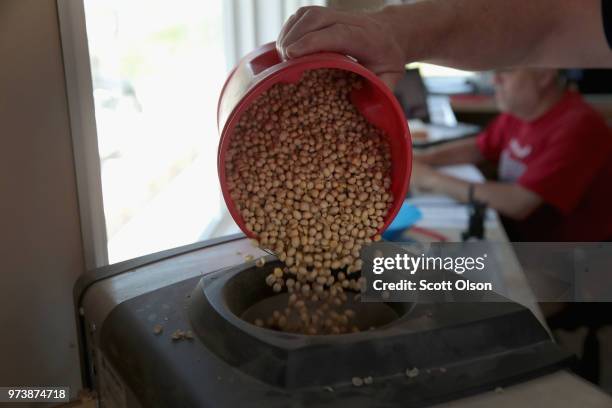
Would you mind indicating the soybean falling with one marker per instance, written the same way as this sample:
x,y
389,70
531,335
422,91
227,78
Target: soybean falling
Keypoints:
x,y
310,177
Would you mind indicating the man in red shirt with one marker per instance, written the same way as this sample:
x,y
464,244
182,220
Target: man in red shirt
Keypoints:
x,y
554,157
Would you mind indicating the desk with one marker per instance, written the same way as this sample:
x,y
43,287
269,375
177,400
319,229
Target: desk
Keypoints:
x,y
560,389
449,218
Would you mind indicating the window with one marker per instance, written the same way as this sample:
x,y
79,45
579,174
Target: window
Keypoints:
x,y
431,70
157,69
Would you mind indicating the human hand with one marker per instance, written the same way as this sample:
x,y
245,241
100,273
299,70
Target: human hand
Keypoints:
x,y
364,36
423,177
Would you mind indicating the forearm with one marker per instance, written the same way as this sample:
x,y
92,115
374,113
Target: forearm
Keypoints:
x,y
510,200
485,34
460,152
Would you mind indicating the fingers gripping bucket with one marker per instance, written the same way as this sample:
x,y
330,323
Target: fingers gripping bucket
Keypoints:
x,y
261,69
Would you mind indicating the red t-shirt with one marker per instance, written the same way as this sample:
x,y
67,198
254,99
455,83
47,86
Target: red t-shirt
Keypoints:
x,y
565,157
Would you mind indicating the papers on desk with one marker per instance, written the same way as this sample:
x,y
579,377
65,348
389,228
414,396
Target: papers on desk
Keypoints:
x,y
435,133
466,172
439,211
454,216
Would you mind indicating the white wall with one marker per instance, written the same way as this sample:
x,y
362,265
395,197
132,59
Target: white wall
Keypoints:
x,y
40,249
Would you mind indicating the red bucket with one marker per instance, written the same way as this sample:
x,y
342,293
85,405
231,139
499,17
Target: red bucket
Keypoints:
x,y
261,69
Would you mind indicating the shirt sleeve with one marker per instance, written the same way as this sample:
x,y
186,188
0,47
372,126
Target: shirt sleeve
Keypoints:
x,y
606,12
563,172
490,141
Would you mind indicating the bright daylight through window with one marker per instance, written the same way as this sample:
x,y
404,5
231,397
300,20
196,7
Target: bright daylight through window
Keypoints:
x,y
157,72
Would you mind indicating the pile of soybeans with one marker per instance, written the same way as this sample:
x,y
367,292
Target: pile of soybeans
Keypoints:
x,y
311,179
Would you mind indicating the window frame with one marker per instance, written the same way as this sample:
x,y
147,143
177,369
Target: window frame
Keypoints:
x,y
81,110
